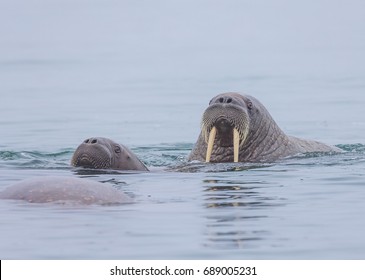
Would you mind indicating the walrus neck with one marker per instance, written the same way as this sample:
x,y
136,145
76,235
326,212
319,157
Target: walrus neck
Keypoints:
x,y
265,140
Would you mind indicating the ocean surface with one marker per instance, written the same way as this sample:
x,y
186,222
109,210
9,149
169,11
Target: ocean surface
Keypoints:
x,y
142,73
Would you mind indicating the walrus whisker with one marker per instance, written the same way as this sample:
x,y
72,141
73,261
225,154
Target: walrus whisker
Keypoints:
x,y
212,134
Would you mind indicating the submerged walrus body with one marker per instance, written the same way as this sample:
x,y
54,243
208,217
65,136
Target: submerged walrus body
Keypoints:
x,y
58,189
238,128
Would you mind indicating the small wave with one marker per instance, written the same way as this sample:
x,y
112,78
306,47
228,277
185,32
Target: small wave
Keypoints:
x,y
35,159
194,167
354,148
166,147
9,155
173,157
163,155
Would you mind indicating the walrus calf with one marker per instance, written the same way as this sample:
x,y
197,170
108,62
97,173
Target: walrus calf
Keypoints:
x,y
238,128
104,153
58,189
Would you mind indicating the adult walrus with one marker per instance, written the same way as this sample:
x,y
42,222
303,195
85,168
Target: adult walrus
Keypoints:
x,y
60,189
238,128
104,153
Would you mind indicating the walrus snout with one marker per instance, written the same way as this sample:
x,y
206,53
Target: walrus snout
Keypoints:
x,y
91,159
225,124
87,161
92,154
224,132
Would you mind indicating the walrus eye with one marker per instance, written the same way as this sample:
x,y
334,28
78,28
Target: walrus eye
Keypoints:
x,y
117,149
249,105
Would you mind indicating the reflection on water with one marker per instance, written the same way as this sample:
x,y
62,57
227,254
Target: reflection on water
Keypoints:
x,y
227,193
235,207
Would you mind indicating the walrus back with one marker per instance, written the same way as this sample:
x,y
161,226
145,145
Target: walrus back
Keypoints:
x,y
60,189
312,146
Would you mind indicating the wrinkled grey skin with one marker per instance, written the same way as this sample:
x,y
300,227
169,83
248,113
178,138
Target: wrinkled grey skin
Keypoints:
x,y
265,141
103,153
60,189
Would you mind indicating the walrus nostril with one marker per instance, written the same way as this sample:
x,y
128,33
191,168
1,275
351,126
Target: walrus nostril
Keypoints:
x,y
225,100
94,141
86,141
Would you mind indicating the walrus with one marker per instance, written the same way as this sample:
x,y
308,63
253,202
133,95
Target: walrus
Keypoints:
x,y
59,189
238,128
104,153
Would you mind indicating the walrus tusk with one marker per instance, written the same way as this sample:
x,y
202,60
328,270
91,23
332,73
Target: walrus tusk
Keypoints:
x,y
236,144
211,138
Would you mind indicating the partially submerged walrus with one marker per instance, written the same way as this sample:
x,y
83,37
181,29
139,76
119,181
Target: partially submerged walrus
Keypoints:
x,y
104,153
238,128
58,189
96,153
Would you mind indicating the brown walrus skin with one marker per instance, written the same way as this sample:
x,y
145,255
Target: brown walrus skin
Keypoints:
x,y
234,118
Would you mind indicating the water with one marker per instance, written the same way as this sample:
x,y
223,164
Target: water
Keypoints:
x,y
141,73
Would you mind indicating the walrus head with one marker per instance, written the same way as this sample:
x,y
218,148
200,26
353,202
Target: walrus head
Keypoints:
x,y
97,153
104,153
226,123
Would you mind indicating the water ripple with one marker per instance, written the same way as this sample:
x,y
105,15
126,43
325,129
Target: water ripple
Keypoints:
x,y
173,157
35,159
